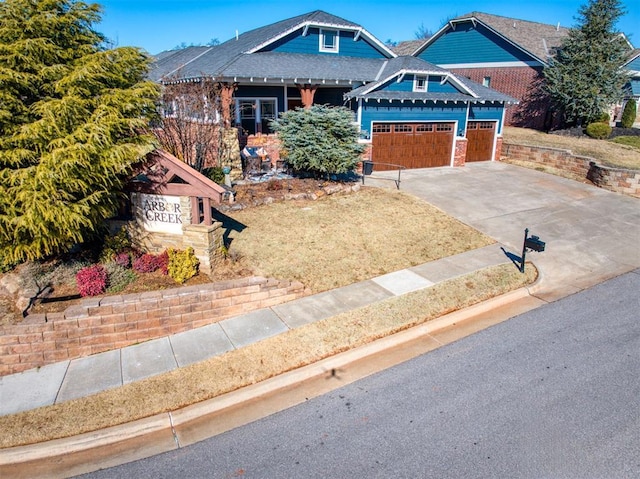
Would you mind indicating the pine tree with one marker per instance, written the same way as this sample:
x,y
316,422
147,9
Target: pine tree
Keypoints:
x,y
320,139
73,119
585,78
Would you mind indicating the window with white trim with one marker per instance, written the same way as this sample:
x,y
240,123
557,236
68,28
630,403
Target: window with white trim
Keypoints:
x,y
420,83
329,41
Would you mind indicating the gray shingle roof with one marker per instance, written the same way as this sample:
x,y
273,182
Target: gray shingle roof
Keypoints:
x,y
225,59
272,65
407,47
170,62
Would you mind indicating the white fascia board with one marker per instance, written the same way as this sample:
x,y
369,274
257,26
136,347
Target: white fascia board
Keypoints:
x,y
461,85
449,66
431,39
332,26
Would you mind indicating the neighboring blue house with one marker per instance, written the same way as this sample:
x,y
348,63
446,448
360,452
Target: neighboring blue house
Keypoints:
x,y
506,54
410,111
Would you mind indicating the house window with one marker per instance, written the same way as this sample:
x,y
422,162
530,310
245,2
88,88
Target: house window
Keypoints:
x,y
486,81
255,114
329,41
420,84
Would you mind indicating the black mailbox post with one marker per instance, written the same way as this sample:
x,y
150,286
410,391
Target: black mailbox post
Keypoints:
x,y
531,243
534,244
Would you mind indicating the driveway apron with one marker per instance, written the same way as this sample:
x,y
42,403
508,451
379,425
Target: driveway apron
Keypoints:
x,y
591,234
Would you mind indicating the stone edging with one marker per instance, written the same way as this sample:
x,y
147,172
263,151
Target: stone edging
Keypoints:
x,y
620,180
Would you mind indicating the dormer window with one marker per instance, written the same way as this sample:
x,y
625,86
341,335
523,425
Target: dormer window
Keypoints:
x,y
329,41
420,83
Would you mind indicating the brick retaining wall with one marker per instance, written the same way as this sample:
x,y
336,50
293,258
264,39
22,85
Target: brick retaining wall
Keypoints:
x,y
619,180
102,324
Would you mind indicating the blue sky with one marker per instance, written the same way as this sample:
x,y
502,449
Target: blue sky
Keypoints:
x,y
157,25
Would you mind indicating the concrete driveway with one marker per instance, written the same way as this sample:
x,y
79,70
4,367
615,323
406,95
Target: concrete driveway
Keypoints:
x,y
591,234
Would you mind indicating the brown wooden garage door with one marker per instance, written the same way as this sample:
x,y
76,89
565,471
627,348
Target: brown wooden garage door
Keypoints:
x,y
480,135
412,145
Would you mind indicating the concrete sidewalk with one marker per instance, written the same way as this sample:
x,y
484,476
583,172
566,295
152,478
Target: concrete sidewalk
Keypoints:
x,y
82,377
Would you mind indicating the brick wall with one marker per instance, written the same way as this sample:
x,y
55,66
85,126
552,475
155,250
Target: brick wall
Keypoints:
x,y
498,153
460,154
523,84
270,143
613,179
102,324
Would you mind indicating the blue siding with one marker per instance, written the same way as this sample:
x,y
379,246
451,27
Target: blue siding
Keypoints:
x,y
407,85
310,44
466,44
405,112
634,65
435,86
482,112
635,86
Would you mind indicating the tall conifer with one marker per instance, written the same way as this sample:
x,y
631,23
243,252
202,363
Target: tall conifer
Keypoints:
x,y
585,78
73,119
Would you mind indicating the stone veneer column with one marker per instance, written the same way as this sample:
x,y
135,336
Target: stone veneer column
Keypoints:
x,y
205,241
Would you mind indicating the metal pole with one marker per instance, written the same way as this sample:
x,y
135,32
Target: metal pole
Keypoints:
x,y
524,250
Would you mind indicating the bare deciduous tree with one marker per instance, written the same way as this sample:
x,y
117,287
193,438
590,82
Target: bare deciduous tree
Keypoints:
x,y
190,126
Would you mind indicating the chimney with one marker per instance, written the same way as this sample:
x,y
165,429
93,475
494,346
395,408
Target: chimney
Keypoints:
x,y
558,27
236,35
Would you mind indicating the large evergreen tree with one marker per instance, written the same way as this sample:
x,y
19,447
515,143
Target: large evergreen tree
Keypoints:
x,y
73,119
585,77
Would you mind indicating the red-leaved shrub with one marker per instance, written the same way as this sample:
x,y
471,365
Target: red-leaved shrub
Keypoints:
x,y
91,280
163,262
123,259
147,263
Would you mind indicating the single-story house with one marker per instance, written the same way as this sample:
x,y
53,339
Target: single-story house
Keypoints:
x,y
410,111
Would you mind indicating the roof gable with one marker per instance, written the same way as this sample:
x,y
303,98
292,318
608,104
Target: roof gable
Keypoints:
x,y
214,61
538,41
397,75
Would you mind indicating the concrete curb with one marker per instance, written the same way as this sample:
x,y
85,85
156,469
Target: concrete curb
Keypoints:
x,y
168,431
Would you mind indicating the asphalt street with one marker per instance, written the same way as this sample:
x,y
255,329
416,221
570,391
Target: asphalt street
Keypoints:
x,y
553,393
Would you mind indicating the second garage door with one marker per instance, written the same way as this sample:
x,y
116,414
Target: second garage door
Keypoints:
x,y
412,145
480,136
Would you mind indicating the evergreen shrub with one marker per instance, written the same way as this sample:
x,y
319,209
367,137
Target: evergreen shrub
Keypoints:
x,y
322,139
628,114
599,131
92,280
183,264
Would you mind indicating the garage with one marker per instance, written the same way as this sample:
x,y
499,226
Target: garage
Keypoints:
x,y
412,145
480,138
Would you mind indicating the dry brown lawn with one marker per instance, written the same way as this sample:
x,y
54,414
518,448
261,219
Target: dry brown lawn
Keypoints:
x,y
259,361
607,152
344,239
